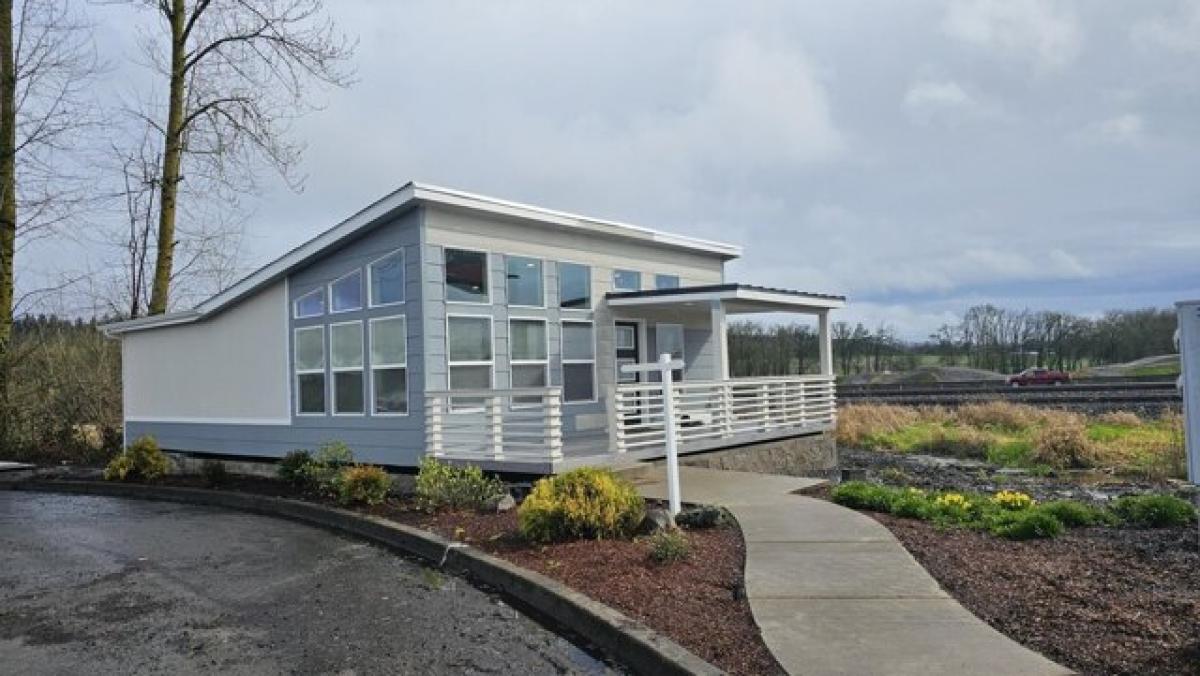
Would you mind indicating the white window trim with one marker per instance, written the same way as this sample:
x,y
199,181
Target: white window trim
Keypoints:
x,y
678,281
361,368
544,363
591,286
389,365
507,297
329,286
297,372
564,361
403,281
487,277
296,304
450,364
618,289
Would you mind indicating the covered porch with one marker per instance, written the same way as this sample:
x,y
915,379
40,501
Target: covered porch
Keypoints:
x,y
531,430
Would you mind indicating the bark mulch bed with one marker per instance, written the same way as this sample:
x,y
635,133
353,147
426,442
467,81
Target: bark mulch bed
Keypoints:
x,y
1099,600
700,602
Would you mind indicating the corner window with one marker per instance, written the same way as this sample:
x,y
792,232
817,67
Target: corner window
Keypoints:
x,y
528,356
346,364
578,361
345,293
308,346
469,356
627,280
524,281
466,276
666,281
386,279
311,304
574,286
389,366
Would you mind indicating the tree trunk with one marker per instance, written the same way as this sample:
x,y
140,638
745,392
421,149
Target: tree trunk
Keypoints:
x,y
172,159
8,201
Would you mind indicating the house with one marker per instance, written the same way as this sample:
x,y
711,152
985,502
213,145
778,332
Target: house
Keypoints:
x,y
471,328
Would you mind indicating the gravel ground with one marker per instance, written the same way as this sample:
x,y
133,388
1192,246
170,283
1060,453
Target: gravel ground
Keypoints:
x,y
127,586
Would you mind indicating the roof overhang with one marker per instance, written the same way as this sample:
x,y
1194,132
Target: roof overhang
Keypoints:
x,y
736,298
407,197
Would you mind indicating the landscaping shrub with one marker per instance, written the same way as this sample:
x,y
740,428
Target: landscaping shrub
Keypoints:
x,y
583,503
913,503
704,516
863,495
1154,511
362,484
440,485
1027,524
1074,514
325,465
214,473
669,546
1012,500
142,460
953,508
293,468
1063,444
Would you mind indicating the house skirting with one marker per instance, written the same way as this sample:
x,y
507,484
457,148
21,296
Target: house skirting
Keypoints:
x,y
807,455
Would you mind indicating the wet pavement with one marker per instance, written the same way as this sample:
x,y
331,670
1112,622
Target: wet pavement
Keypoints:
x,y
105,585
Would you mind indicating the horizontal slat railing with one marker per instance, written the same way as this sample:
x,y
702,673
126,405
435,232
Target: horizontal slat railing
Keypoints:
x,y
514,424
719,409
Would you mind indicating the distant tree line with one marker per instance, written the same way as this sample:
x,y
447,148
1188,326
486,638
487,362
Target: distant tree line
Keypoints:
x,y
987,337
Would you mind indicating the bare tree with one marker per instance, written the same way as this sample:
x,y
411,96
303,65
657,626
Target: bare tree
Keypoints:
x,y
238,72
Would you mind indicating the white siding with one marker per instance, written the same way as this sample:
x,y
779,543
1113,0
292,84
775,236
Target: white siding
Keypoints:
x,y
229,368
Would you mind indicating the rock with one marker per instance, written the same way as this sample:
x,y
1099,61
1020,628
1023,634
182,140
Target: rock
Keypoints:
x,y
506,503
656,519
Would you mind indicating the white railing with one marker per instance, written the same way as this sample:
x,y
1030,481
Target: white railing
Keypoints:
x,y
494,424
718,409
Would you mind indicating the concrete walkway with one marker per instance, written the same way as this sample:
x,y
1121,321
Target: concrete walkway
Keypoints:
x,y
834,592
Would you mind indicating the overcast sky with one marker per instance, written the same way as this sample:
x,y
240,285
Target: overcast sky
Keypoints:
x,y
918,156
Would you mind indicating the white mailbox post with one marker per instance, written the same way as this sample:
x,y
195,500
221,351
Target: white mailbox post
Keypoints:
x,y
665,365
1189,381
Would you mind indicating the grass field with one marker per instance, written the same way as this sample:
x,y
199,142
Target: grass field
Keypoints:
x,y
1016,435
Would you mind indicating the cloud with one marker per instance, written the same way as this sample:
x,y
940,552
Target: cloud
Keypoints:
x,y
1040,31
1128,129
942,102
1178,32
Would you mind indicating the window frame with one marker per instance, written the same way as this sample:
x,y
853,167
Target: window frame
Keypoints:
x,y
356,271
361,368
451,364
541,279
487,277
623,290
403,281
660,275
318,292
564,361
372,367
513,362
591,290
297,372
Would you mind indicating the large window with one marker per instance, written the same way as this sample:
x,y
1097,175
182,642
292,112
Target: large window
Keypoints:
x,y
346,365
666,281
525,281
574,286
311,304
469,355
528,355
466,276
309,357
578,361
346,293
627,280
389,366
386,279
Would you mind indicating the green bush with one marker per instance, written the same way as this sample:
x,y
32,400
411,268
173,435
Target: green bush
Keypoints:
x,y
863,495
362,484
143,460
1155,511
583,503
1074,514
440,485
912,504
328,461
214,473
669,546
704,516
293,468
1027,524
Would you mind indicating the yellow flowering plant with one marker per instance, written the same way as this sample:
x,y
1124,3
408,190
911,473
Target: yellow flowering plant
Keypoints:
x,y
1013,500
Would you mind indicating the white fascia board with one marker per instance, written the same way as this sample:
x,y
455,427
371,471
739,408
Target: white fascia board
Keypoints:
x,y
788,299
155,321
780,302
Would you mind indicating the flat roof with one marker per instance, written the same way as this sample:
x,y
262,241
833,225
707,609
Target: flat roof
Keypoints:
x,y
736,297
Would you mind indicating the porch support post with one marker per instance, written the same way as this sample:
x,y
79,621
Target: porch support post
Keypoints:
x,y
721,335
825,343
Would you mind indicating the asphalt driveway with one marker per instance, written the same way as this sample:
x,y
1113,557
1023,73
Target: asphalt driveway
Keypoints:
x,y
105,585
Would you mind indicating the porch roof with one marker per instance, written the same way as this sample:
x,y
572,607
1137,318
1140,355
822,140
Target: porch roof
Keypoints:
x,y
736,298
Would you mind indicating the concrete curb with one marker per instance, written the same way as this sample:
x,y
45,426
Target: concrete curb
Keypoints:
x,y
637,647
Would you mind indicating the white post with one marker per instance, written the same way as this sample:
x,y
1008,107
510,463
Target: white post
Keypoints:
x,y
552,422
1189,382
664,364
494,413
721,336
825,343
433,425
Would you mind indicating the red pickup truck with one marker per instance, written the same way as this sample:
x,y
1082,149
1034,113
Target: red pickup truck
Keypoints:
x,y
1039,376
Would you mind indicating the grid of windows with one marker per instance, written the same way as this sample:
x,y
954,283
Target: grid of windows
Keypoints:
x,y
524,281
578,361
389,366
574,286
466,276
309,358
386,279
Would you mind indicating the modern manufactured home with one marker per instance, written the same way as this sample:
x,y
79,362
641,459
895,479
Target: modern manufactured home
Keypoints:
x,y
473,329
